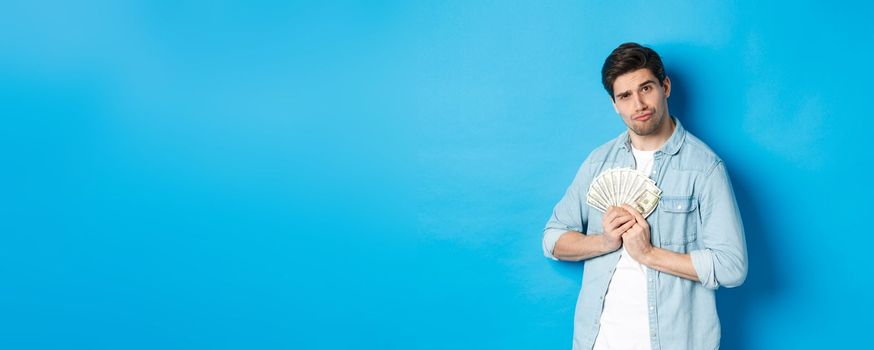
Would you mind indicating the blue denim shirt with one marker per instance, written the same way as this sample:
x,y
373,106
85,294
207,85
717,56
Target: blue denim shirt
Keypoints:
x,y
696,215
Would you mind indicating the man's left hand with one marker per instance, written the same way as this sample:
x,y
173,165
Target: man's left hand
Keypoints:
x,y
636,240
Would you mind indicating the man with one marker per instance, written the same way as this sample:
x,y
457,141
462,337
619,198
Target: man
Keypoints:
x,y
649,283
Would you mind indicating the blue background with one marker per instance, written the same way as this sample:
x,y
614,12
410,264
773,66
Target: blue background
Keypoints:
x,y
211,174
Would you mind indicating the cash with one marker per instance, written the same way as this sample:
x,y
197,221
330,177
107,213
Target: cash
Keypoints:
x,y
618,186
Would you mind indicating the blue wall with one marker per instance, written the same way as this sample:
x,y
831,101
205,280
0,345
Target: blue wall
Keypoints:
x,y
322,176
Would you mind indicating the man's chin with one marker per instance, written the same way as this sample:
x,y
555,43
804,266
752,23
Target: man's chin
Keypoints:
x,y
644,128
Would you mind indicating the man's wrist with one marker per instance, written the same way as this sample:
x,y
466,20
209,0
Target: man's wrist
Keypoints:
x,y
606,245
649,257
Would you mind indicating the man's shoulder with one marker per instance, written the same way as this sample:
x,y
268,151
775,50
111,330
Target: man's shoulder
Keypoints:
x,y
698,155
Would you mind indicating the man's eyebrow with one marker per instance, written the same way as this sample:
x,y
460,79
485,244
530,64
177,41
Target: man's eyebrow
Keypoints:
x,y
647,82
626,92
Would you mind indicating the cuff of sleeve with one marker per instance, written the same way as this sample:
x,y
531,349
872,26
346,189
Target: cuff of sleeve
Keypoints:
x,y
702,260
550,236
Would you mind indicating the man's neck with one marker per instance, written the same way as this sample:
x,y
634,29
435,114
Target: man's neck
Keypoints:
x,y
655,140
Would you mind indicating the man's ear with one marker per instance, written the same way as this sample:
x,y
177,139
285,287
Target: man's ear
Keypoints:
x,y
667,85
613,102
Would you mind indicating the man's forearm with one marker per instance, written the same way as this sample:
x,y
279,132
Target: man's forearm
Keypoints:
x,y
671,262
576,246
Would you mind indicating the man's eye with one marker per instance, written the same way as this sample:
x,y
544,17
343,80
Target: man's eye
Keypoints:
x,y
646,88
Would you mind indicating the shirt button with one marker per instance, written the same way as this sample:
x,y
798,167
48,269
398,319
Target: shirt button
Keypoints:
x,y
651,308
679,206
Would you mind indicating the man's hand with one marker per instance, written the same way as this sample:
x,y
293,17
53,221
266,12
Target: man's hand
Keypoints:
x,y
616,221
636,239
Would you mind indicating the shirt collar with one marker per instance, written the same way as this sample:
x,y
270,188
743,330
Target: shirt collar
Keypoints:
x,y
672,146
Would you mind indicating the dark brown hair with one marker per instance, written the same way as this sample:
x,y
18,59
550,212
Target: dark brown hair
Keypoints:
x,y
630,57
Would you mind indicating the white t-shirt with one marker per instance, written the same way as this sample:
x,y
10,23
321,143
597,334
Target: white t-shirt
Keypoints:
x,y
625,320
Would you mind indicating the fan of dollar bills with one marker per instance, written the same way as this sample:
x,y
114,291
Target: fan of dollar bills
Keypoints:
x,y
624,186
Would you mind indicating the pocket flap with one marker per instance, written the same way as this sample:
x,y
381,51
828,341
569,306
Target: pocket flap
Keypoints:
x,y
678,204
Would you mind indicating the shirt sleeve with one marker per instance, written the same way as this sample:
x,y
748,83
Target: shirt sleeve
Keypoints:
x,y
570,214
722,259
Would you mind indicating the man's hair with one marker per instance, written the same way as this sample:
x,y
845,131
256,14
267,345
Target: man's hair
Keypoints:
x,y
630,57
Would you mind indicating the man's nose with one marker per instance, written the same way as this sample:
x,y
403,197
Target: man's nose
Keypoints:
x,y
638,103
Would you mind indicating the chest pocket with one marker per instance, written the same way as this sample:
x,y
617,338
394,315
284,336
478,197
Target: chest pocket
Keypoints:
x,y
678,221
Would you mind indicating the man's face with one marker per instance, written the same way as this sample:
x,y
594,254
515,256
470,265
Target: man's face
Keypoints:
x,y
641,100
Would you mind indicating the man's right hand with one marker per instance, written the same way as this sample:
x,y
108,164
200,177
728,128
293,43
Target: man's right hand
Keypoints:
x,y
616,221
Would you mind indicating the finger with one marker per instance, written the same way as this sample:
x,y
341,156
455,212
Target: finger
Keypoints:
x,y
628,232
620,219
619,212
637,216
614,214
622,214
627,226
609,215
625,214
622,225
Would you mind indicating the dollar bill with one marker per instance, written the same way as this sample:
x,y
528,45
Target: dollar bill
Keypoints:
x,y
614,187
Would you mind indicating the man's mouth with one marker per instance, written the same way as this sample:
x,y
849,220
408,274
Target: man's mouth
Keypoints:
x,y
642,117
